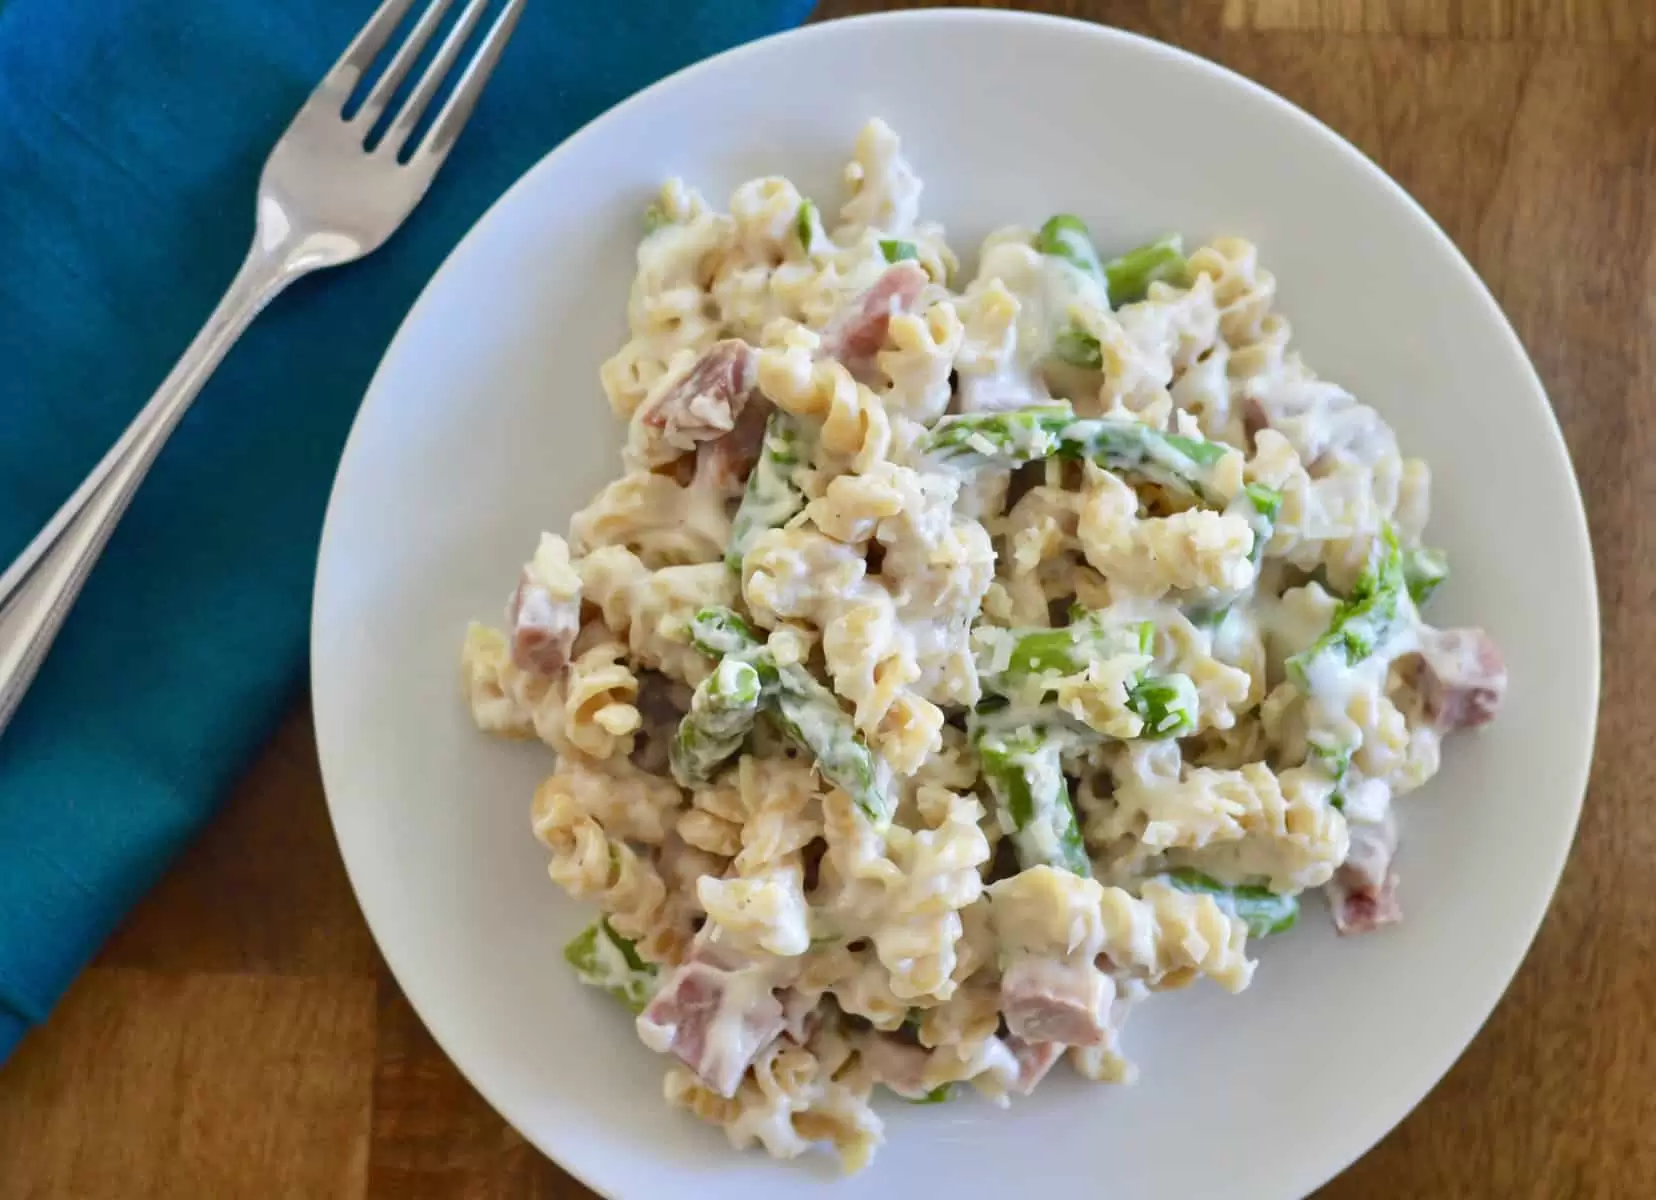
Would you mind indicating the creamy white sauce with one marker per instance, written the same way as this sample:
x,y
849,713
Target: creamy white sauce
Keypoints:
x,y
612,972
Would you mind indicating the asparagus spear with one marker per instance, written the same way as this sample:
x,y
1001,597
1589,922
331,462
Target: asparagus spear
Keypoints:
x,y
773,494
720,714
937,1095
1065,236
1264,503
1010,439
805,224
1122,444
806,711
1363,620
1423,569
968,441
1260,909
811,715
722,710
1131,275
717,632
1009,656
604,959
1027,781
1078,348
896,250
1167,704
1259,506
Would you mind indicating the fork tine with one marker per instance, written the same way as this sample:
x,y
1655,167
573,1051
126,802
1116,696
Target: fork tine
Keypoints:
x,y
387,83
397,133
345,73
458,108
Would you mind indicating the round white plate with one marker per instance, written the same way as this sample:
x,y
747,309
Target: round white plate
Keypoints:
x,y
485,425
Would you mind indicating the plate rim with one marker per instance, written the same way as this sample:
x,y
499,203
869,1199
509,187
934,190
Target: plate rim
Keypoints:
x,y
1101,33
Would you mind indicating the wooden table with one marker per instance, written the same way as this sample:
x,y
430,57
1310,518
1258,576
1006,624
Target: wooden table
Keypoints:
x,y
240,1037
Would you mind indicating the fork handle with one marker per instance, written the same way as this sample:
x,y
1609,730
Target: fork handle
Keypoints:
x,y
39,588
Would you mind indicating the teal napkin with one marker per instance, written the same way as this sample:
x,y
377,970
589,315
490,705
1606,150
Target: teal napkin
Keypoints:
x,y
131,137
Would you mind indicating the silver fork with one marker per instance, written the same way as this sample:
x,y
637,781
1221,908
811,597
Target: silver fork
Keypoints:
x,y
323,200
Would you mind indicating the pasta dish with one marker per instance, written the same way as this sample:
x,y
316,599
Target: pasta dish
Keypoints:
x,y
961,658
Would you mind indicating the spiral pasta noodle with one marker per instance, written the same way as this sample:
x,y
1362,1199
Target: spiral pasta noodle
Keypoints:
x,y
600,717
1244,824
853,420
760,904
590,865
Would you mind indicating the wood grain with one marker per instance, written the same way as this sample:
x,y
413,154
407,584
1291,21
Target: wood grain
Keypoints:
x,y
239,1037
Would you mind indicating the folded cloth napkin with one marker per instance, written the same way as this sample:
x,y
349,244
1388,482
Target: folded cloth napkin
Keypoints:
x,y
131,137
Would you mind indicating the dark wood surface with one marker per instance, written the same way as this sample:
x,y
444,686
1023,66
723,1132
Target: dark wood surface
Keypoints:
x,y
240,1037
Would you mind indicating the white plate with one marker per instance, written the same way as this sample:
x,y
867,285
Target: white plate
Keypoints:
x,y
485,425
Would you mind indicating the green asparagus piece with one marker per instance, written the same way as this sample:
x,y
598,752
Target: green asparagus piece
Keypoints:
x,y
805,224
1131,275
1027,781
773,494
811,715
997,439
1264,503
806,711
1331,752
1259,506
1124,280
1067,237
1010,439
1363,619
1062,651
1180,463
937,1095
1423,569
1263,911
604,959
717,632
1078,348
1167,705
896,250
722,711
1332,756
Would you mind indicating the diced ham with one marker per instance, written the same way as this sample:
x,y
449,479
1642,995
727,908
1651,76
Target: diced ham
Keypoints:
x,y
724,463
544,613
1459,675
1035,1059
901,1066
1363,893
543,628
858,332
701,405
710,952
1047,1001
712,1020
